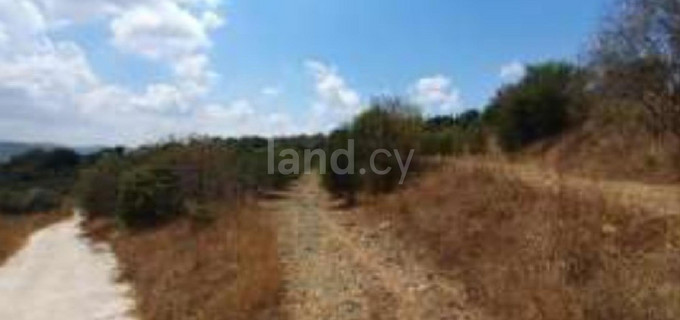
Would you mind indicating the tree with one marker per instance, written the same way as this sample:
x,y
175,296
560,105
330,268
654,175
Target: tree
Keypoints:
x,y
389,124
636,57
539,106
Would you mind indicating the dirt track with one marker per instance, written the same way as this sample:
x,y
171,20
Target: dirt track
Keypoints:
x,y
60,275
335,270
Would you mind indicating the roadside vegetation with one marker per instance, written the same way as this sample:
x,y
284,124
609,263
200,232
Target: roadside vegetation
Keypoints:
x,y
34,189
183,218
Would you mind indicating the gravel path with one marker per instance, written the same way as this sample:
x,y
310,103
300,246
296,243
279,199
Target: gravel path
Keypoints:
x,y
337,270
61,275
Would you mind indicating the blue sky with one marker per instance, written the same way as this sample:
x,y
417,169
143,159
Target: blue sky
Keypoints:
x,y
380,45
135,71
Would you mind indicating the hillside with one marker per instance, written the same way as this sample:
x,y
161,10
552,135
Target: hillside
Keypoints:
x,y
9,149
620,150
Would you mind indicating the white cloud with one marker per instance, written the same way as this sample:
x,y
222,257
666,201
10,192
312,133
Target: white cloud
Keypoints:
x,y
212,20
66,12
335,102
271,91
331,88
435,94
20,19
50,92
161,31
194,74
512,71
239,111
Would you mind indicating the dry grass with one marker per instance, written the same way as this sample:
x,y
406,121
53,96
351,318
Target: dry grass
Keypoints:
x,y
622,150
16,229
187,270
525,253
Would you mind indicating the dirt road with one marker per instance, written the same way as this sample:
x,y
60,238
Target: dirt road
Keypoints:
x,y
60,275
336,270
340,270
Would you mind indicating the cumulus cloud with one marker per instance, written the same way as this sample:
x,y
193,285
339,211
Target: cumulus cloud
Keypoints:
x,y
49,91
160,31
435,94
512,71
335,100
332,90
20,19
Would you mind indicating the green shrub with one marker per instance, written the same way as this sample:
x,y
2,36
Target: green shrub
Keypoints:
x,y
340,184
40,200
97,187
539,106
389,124
29,201
147,197
96,191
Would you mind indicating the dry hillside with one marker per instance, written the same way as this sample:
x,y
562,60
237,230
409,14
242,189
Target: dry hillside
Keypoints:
x,y
524,250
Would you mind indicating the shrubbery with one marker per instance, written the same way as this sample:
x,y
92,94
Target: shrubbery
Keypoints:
x,y
154,183
454,135
33,200
37,180
97,186
540,106
389,124
148,196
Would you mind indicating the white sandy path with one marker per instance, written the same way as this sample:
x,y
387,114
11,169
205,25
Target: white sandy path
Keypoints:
x,y
61,275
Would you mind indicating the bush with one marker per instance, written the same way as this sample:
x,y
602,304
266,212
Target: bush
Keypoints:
x,y
30,201
147,197
144,186
342,185
97,187
40,200
389,124
453,141
540,106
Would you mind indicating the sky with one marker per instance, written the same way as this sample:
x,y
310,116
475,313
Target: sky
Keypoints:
x,y
108,72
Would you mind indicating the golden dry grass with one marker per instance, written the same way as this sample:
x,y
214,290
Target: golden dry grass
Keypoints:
x,y
16,229
622,150
524,252
187,270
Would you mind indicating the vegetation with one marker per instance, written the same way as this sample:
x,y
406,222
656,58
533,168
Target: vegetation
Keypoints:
x,y
150,185
636,58
37,180
146,197
228,268
568,252
390,125
454,135
542,105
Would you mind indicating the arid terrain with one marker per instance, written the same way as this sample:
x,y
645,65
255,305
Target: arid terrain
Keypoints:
x,y
337,263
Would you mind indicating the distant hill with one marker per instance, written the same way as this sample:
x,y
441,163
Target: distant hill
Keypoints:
x,y
10,149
